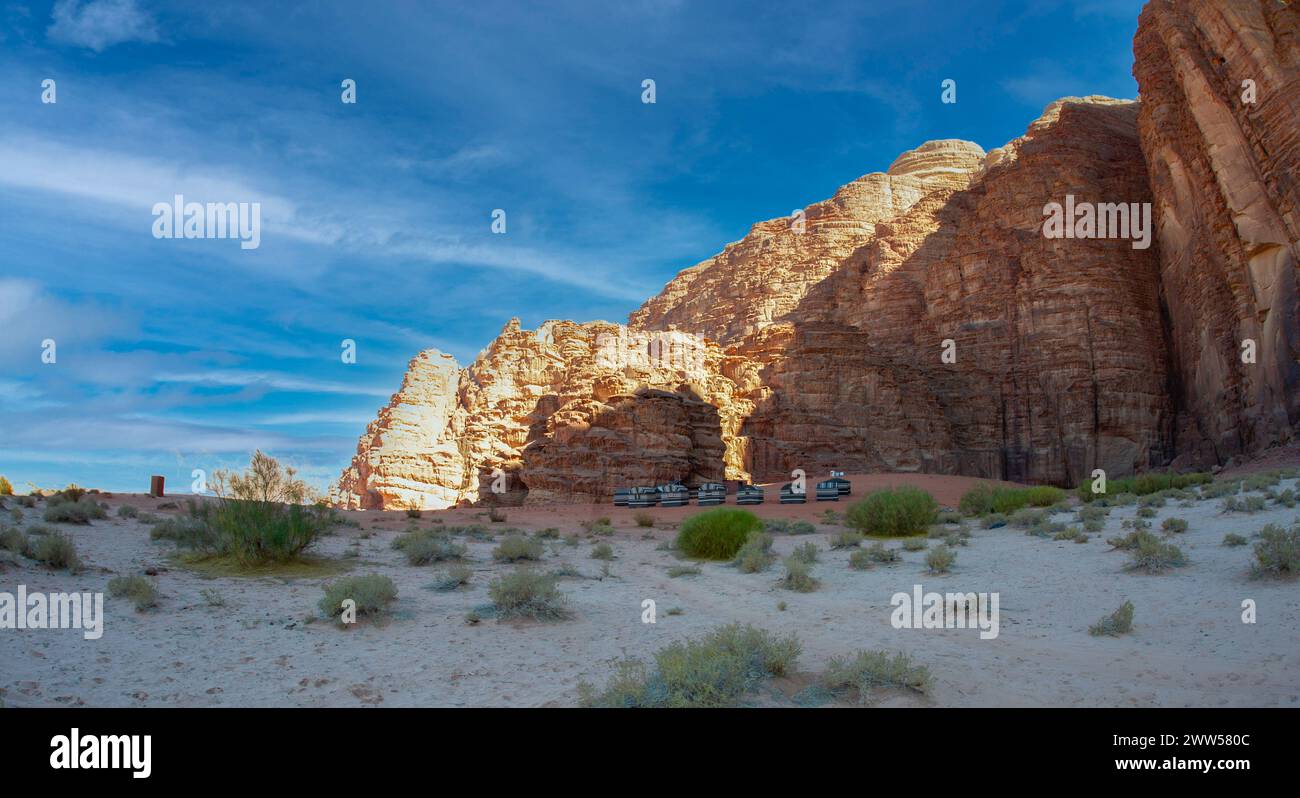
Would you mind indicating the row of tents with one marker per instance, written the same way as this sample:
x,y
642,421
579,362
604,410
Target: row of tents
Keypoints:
x,y
676,494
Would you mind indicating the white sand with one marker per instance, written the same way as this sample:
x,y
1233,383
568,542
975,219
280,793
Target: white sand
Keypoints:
x,y
1188,647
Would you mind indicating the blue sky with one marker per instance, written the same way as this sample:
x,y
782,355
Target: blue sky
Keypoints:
x,y
181,354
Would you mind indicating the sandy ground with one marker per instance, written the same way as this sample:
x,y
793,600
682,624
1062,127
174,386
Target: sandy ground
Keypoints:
x,y
1189,646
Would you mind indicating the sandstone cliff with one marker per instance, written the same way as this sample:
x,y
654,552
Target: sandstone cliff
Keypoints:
x,y
1225,173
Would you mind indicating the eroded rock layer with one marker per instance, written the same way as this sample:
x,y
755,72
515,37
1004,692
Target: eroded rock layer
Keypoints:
x,y
1220,127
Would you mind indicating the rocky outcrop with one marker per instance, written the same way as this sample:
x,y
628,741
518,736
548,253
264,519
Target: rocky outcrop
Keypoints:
x,y
921,319
1220,127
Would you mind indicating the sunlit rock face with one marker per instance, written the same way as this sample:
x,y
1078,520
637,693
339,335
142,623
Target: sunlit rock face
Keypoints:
x,y
1225,174
921,320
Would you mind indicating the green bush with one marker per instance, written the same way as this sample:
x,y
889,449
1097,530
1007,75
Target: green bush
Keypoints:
x,y
1143,484
893,513
1174,525
254,532
602,551
643,518
717,670
515,548
137,588
940,559
455,576
372,593
188,531
1278,551
12,539
55,550
874,669
1152,555
6,489
860,560
1233,539
413,513
425,549
528,594
1117,623
127,511
914,544
716,534
683,570
846,539
807,552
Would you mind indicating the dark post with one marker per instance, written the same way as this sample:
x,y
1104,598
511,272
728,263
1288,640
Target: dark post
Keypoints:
x,y
155,486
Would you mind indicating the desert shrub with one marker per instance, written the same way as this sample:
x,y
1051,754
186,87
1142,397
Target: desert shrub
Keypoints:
x,y
780,526
255,532
593,523
137,588
948,517
1233,539
27,501
1174,525
55,550
878,553
716,534
528,594
1277,553
755,555
1026,518
1286,498
832,517
602,551
1152,500
798,575
939,560
1146,512
643,518
1117,623
1221,488
1253,504
1143,484
894,513
264,482
127,511
717,670
6,488
1043,496
913,544
994,520
413,513
12,539
1262,481
958,537
452,578
372,593
423,549
1072,533
1152,555
846,539
807,552
1094,525
79,511
188,531
873,669
496,515
860,560
212,597
516,548
1136,523
683,570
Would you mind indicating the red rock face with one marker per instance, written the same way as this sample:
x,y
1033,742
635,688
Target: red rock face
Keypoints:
x,y
1224,173
823,348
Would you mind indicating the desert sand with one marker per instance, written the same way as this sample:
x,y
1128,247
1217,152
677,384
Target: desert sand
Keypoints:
x,y
268,646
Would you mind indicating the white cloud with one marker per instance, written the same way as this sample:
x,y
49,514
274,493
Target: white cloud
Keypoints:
x,y
274,381
100,24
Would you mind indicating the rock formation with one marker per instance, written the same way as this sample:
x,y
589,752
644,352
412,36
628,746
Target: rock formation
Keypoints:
x,y
921,320
1220,126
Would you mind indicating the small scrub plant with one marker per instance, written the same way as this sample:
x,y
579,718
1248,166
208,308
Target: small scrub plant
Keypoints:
x,y
602,551
1117,623
807,552
683,570
55,550
1152,555
1027,518
948,517
897,512
994,520
372,594
1146,512
6,489
212,597
846,539
879,553
643,518
424,547
592,524
912,544
939,560
516,548
127,511
857,676
716,670
12,539
1173,526
452,578
413,513
798,575
1277,553
1233,539
860,560
1143,484
1286,498
716,534
756,555
526,593
80,511
496,515
780,526
138,589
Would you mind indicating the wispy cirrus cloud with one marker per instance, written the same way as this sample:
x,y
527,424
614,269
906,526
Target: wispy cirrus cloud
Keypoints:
x,y
100,24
